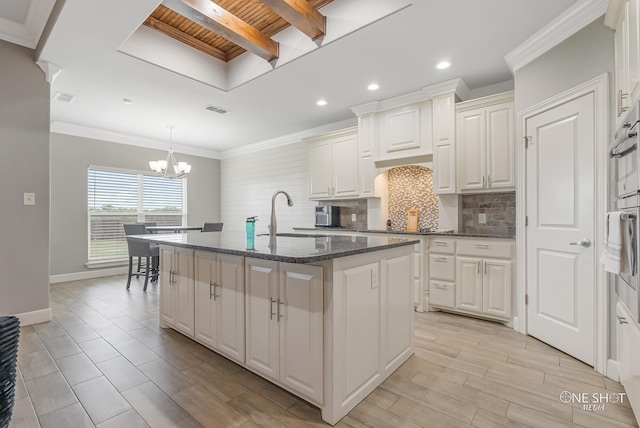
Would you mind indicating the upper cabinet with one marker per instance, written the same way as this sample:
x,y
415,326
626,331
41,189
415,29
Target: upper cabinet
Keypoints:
x,y
624,17
333,165
485,144
444,144
405,131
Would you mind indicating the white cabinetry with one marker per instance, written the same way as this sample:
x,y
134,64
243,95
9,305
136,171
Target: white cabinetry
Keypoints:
x,y
177,289
219,303
628,339
481,281
405,131
624,17
485,144
444,151
284,319
333,165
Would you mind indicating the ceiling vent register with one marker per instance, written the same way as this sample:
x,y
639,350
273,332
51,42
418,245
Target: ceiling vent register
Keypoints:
x,y
216,109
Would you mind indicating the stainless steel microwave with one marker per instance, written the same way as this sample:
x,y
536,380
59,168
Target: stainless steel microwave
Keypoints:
x,y
328,216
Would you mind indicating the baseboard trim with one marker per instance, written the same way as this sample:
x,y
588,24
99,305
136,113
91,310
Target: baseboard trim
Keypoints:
x,y
79,276
612,370
34,317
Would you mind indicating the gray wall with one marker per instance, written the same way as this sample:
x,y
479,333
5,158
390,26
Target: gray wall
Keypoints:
x,y
70,157
24,150
586,55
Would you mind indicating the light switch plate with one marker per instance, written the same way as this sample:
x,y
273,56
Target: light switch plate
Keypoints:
x,y
482,218
353,217
29,199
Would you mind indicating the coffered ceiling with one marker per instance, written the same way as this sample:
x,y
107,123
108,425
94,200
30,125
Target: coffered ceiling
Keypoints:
x,y
111,54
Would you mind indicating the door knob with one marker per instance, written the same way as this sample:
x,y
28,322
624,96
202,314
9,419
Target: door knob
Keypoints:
x,y
586,243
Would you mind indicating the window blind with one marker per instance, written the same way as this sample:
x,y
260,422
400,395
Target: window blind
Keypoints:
x,y
116,198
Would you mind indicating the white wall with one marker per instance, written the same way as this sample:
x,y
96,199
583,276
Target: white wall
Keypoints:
x,y
249,181
24,150
70,157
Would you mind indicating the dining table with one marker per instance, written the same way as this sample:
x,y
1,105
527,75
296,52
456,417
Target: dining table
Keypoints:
x,y
172,229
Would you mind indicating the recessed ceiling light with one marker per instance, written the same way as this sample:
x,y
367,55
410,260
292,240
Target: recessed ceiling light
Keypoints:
x,y
126,101
321,103
442,65
373,87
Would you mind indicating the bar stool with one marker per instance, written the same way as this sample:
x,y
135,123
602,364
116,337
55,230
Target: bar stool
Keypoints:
x,y
151,253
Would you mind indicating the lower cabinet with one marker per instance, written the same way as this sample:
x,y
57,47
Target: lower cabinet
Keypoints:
x,y
284,325
177,289
219,303
471,276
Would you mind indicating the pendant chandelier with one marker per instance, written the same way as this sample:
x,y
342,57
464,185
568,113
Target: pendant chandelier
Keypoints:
x,y
161,167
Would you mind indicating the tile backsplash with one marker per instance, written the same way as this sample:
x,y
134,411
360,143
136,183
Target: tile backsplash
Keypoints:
x,y
411,187
500,209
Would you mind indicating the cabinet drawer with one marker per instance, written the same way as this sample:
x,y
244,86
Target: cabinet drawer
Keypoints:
x,y
446,246
441,267
496,249
441,294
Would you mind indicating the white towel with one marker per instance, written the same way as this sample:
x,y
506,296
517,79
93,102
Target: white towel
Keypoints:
x,y
612,253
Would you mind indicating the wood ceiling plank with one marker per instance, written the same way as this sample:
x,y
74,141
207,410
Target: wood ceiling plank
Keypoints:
x,y
301,15
218,20
184,38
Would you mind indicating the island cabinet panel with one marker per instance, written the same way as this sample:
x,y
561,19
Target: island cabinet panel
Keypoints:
x,y
284,307
177,289
263,351
219,303
301,329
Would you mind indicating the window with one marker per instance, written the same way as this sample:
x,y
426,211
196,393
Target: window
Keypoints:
x,y
120,197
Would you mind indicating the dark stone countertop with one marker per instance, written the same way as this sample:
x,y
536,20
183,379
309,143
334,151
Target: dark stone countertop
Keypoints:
x,y
404,232
287,247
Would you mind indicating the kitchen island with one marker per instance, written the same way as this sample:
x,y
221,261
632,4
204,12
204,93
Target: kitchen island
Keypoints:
x,y
327,318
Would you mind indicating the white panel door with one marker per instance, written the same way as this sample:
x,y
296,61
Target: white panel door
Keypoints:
x,y
471,141
560,209
167,298
206,326
262,349
469,284
345,167
500,146
230,309
184,290
496,288
300,315
319,156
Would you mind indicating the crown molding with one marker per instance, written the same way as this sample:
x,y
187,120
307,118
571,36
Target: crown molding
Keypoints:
x,y
28,33
572,20
114,137
284,140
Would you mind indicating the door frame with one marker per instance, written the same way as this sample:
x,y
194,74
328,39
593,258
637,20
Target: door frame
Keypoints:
x,y
599,86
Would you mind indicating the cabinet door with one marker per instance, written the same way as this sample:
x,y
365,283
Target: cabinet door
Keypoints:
x,y
500,146
344,154
230,306
444,150
206,299
320,183
184,290
367,174
469,284
300,314
633,18
167,302
621,50
496,290
400,131
471,141
262,328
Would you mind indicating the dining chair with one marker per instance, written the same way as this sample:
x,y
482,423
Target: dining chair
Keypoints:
x,y
212,227
151,253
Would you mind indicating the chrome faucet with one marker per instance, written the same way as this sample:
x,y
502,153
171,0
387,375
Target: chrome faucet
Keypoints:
x,y
273,226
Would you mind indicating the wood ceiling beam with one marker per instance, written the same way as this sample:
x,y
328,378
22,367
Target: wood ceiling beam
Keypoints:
x,y
301,15
227,25
185,38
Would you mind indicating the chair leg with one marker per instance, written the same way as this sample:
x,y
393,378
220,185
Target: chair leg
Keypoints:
x,y
155,265
130,274
138,271
146,273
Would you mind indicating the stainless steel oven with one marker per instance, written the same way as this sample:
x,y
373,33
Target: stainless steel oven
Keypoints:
x,y
627,156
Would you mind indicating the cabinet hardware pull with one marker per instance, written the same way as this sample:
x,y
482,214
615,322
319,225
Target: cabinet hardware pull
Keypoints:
x,y
622,320
440,243
280,315
441,259
478,263
482,246
488,181
483,181
271,309
215,296
441,286
485,267
212,293
171,275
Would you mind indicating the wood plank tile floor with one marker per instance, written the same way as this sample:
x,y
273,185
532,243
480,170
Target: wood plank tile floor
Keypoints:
x,y
103,361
